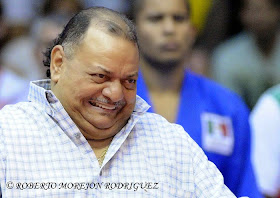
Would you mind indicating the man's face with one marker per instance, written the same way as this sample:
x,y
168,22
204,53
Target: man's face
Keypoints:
x,y
97,86
260,17
164,30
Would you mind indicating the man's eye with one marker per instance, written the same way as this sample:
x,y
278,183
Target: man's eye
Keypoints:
x,y
130,84
131,81
99,78
101,75
180,18
155,18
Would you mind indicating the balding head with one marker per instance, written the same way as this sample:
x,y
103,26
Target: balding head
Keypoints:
x,y
104,19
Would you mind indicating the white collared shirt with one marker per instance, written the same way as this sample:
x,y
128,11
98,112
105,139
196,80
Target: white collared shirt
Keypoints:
x,y
43,154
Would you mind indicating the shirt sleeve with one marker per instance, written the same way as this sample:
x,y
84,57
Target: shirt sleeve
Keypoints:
x,y
265,119
209,181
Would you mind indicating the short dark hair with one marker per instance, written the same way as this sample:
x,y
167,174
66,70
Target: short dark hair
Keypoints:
x,y
137,5
105,19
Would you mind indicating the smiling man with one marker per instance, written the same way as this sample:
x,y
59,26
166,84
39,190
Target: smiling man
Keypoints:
x,y
97,86
85,133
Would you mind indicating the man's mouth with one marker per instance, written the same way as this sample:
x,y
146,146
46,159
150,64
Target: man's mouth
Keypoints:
x,y
103,106
171,46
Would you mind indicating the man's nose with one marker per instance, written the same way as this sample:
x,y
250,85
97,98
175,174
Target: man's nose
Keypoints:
x,y
169,26
114,91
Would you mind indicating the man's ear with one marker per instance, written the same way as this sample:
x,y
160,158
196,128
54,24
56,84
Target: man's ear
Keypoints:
x,y
56,65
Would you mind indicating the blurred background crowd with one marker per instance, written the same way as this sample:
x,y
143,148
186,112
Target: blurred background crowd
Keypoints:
x,y
237,44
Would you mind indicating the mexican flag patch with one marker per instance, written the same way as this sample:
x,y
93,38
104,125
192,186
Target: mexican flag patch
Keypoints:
x,y
217,133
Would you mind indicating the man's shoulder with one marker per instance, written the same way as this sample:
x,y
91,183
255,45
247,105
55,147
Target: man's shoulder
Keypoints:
x,y
213,90
155,131
156,125
18,112
231,56
215,98
234,46
274,93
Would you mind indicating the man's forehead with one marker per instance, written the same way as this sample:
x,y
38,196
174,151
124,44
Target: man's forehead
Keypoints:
x,y
102,35
108,24
164,6
105,46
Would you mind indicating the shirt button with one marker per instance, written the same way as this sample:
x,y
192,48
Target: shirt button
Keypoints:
x,y
78,135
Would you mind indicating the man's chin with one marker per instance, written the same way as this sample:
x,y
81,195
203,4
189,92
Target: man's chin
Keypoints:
x,y
107,123
103,125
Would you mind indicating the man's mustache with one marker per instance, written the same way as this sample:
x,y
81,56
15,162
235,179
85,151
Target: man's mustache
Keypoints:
x,y
107,101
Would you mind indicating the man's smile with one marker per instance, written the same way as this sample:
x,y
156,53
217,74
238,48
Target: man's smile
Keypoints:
x,y
103,106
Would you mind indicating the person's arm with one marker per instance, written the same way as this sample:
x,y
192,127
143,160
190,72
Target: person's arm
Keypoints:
x,y
265,119
209,181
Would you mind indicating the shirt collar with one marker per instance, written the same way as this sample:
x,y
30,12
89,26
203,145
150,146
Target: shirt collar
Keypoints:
x,y
40,92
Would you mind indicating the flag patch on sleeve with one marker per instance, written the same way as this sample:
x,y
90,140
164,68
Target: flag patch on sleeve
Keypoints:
x,y
217,133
